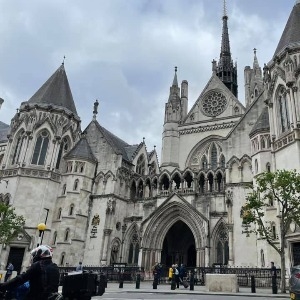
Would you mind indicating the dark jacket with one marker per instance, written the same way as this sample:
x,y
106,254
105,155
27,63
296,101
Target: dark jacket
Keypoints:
x,y
43,277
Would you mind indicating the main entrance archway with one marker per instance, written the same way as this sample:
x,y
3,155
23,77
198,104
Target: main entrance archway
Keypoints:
x,y
179,246
175,233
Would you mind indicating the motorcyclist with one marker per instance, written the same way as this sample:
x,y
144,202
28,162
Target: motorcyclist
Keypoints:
x,y
43,276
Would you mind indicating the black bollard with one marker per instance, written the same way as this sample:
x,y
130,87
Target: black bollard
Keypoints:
x,y
121,281
102,283
138,281
155,281
274,285
253,288
173,282
192,281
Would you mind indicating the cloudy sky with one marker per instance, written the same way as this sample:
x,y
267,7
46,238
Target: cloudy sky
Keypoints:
x,y
123,53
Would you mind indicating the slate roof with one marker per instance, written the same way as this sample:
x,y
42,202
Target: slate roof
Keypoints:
x,y
55,91
262,124
4,130
291,35
81,150
119,146
130,151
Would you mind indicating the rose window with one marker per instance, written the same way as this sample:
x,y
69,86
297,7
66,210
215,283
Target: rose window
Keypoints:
x,y
214,104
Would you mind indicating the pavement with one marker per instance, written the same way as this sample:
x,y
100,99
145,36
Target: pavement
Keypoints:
x,y
147,287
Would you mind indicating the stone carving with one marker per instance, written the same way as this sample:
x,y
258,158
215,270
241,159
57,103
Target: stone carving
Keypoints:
x,y
96,220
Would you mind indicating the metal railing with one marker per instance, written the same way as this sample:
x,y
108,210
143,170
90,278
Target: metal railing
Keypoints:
x,y
262,275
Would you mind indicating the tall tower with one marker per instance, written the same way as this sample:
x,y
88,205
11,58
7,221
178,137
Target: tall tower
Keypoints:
x,y
173,116
226,70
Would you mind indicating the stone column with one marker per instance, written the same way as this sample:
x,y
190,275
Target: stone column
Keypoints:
x,y
230,244
107,233
292,109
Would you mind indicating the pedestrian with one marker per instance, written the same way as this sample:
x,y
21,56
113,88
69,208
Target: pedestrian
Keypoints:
x,y
79,267
43,276
274,278
176,272
9,271
182,272
170,273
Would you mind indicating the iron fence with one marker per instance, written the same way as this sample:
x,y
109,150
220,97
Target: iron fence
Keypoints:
x,y
262,276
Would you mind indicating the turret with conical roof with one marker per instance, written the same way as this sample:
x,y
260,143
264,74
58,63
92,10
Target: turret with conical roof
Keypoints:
x,y
226,69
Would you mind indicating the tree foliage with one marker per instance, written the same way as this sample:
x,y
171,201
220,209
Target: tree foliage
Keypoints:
x,y
10,223
280,189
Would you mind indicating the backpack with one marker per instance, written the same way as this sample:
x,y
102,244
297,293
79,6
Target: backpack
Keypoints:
x,y
176,271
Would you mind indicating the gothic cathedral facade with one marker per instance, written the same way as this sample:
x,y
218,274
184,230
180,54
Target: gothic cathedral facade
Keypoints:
x,y
105,201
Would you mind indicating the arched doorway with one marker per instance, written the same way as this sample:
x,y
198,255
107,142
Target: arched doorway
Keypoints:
x,y
179,246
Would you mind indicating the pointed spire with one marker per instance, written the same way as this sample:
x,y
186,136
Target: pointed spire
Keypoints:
x,y
226,70
55,91
256,67
291,35
175,81
95,111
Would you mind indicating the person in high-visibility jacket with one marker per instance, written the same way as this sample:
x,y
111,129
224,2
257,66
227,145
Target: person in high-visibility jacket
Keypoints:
x,y
170,273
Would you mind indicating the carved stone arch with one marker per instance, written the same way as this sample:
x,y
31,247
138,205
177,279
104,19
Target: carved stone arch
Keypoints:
x,y
176,179
188,178
43,124
233,160
245,158
115,248
220,243
164,180
165,217
164,173
100,176
108,175
202,148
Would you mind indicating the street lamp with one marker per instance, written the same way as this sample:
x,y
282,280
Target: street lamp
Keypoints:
x,y
124,227
41,227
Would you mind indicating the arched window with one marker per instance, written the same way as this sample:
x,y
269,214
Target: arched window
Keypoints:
x,y
59,213
133,254
71,210
256,166
64,189
210,179
268,167
40,149
263,143
214,159
63,148
219,182
201,184
283,111
75,187
204,163
262,258
62,258
274,233
81,169
67,233
222,247
140,165
54,238
18,148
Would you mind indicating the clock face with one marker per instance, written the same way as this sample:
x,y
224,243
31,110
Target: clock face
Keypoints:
x,y
214,104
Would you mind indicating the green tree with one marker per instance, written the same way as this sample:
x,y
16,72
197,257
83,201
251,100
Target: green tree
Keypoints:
x,y
10,223
282,188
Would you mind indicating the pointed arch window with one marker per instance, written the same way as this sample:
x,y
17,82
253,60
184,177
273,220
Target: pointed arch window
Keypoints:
x,y
54,238
59,213
283,111
75,187
214,159
262,258
210,179
222,162
204,163
202,184
71,210
62,258
40,149
18,148
222,247
140,165
133,254
64,189
67,235
63,148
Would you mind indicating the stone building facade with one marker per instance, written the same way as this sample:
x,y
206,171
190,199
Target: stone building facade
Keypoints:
x,y
105,201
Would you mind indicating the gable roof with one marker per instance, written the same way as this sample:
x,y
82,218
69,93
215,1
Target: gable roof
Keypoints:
x,y
55,91
81,150
291,35
262,124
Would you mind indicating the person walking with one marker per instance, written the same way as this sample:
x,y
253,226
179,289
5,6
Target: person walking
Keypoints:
x,y
9,271
43,276
176,272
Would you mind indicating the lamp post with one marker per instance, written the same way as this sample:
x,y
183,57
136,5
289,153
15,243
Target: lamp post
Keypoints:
x,y
41,227
124,227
